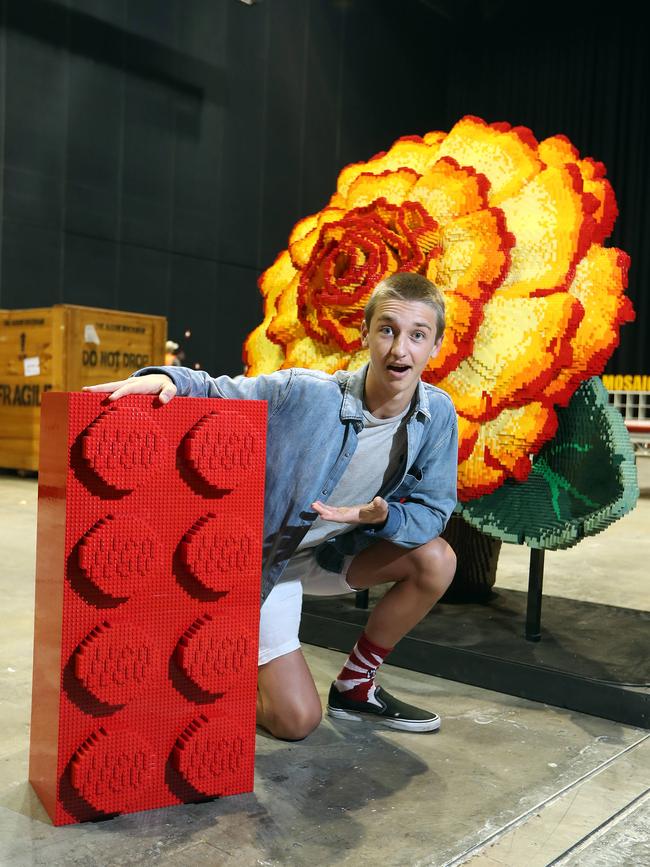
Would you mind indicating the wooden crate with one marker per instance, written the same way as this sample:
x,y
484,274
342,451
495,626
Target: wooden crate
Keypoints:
x,y
63,348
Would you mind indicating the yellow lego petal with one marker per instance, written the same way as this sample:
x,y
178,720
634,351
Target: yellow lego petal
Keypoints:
x,y
518,348
507,157
550,221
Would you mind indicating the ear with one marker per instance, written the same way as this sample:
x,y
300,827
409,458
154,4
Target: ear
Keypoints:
x,y
436,348
364,333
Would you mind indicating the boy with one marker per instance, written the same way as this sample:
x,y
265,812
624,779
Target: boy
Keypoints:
x,y
360,482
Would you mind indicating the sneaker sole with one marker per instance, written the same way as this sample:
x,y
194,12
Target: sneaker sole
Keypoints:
x,y
429,725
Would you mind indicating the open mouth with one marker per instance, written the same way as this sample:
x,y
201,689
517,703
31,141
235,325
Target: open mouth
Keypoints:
x,y
399,368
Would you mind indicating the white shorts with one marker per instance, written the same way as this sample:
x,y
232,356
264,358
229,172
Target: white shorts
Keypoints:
x,y
280,614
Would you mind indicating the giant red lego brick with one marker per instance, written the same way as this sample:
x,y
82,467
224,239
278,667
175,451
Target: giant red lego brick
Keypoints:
x,y
150,525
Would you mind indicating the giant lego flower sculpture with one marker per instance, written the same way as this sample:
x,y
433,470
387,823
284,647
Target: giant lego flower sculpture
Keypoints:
x,y
511,230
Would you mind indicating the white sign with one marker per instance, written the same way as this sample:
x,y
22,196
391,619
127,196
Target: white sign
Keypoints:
x,y
90,334
32,366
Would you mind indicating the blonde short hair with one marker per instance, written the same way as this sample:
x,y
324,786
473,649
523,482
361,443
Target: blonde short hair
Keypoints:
x,y
408,286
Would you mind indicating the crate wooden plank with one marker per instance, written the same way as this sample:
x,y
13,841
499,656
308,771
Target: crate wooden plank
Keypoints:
x,y
63,348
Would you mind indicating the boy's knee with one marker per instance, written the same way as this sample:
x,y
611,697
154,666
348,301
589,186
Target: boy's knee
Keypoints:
x,y
293,722
435,566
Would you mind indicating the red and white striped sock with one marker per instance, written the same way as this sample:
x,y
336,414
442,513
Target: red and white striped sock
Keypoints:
x,y
357,677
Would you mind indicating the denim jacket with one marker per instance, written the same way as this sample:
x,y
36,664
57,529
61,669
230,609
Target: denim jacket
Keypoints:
x,y
313,422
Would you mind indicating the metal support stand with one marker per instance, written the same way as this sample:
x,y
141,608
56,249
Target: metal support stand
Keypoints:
x,y
534,599
361,599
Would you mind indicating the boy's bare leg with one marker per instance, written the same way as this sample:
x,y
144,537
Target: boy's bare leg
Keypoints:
x,y
420,575
288,705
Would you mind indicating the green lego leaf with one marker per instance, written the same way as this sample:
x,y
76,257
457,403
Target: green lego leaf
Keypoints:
x,y
581,481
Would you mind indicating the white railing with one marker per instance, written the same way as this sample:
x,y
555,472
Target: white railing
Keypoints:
x,y
634,406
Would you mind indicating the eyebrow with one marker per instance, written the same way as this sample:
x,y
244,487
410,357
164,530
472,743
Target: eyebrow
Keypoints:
x,y
391,319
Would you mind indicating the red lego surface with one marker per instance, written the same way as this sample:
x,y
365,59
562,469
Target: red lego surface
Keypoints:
x,y
147,602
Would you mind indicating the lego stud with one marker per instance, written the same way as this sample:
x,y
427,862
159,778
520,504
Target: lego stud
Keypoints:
x,y
221,448
209,755
210,657
118,554
116,663
113,771
124,447
219,552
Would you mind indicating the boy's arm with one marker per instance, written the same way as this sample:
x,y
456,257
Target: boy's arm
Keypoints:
x,y
197,383
172,380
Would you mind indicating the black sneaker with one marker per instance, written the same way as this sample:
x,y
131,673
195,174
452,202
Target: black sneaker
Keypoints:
x,y
390,712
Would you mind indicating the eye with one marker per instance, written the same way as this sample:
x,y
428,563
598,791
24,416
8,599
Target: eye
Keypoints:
x,y
419,335
385,329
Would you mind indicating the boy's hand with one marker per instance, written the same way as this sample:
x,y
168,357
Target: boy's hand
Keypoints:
x,y
151,383
368,513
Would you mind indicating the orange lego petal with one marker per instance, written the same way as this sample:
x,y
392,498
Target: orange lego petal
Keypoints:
x,y
302,247
285,325
463,319
516,433
276,278
448,191
607,211
599,284
410,151
557,150
433,139
394,187
315,356
475,254
468,432
476,477
303,227
260,353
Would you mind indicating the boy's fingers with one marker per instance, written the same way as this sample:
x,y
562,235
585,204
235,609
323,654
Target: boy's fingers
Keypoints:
x,y
124,389
167,392
104,386
338,514
151,384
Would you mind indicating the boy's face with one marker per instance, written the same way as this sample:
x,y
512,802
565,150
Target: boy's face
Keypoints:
x,y
401,339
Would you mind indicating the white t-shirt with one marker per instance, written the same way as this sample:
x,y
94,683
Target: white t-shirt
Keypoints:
x,y
376,459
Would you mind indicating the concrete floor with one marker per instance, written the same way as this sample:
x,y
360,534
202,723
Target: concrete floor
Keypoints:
x,y
505,782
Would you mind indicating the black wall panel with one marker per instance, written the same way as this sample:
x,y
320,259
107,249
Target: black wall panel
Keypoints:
x,y
246,127
320,123
32,259
144,281
94,138
155,154
195,306
89,270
